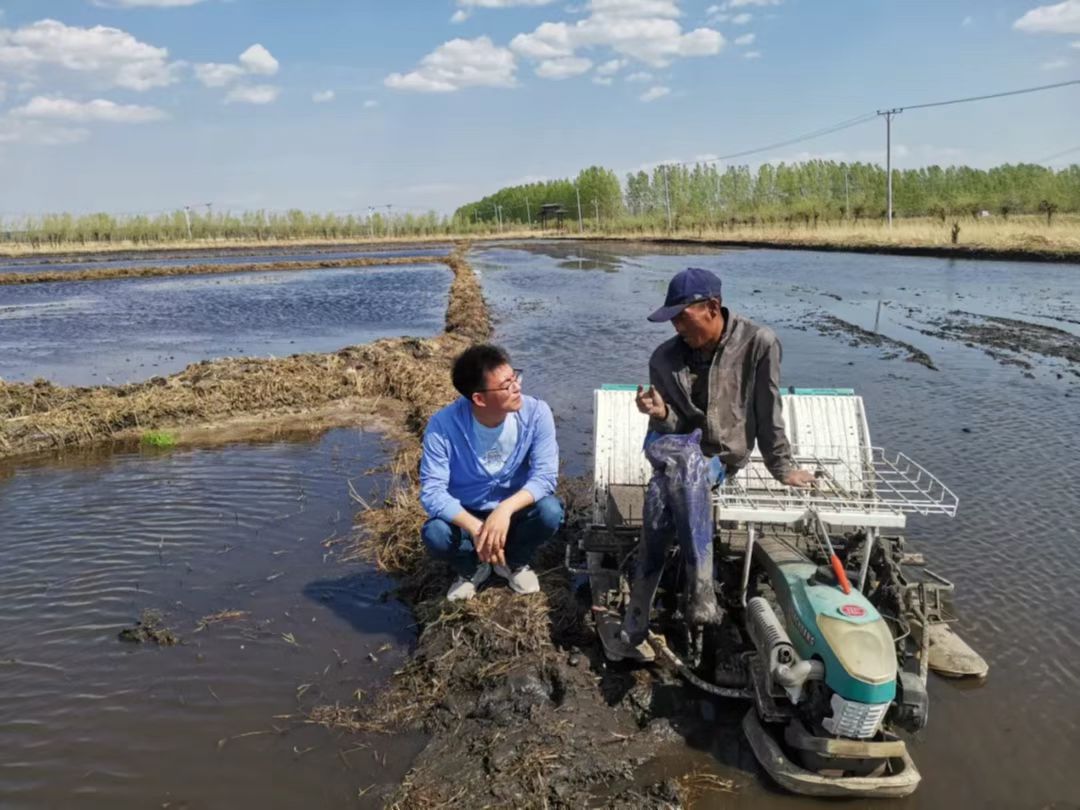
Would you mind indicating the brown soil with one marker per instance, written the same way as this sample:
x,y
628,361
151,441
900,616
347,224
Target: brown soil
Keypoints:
x,y
109,273
520,706
838,327
112,253
1009,341
150,629
40,416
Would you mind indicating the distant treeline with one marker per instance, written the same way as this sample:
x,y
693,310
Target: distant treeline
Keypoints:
x,y
673,196
179,226
800,193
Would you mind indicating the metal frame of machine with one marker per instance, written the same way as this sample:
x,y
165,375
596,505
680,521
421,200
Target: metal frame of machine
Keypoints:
x,y
831,667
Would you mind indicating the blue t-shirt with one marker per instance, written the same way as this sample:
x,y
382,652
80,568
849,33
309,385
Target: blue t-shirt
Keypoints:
x,y
495,444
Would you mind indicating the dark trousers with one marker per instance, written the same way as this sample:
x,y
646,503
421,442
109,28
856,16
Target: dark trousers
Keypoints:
x,y
529,529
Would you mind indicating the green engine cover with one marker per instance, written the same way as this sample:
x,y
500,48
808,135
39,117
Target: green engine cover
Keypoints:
x,y
843,630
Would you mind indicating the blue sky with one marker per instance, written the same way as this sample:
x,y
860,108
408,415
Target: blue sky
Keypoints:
x,y
336,105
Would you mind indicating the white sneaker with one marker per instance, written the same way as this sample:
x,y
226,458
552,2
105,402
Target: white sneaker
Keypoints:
x,y
522,581
466,588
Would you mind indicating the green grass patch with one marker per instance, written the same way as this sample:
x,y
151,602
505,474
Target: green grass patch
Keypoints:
x,y
159,439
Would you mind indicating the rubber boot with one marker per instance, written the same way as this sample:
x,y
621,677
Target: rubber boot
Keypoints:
x,y
656,534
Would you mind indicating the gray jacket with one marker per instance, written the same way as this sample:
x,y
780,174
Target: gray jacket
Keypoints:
x,y
744,396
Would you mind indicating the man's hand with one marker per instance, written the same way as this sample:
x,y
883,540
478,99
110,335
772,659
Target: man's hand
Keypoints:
x,y
799,478
491,539
651,403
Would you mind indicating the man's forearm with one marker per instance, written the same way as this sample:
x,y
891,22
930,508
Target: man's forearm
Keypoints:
x,y
467,521
518,501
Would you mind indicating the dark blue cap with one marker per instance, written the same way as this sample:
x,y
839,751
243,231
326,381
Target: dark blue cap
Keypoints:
x,y
688,287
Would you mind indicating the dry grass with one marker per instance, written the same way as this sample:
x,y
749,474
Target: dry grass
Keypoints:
x,y
18,250
1020,235
110,273
41,416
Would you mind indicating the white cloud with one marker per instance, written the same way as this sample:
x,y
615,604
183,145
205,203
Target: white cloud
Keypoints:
x,y
14,130
99,110
611,67
459,16
604,81
644,30
742,19
1055,64
259,61
745,39
253,94
323,96
370,104
653,93
255,61
458,64
718,13
146,3
640,76
752,55
565,67
215,74
1075,44
1061,18
105,55
636,8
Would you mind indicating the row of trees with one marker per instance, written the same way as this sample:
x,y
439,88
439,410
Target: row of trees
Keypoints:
x,y
805,193
675,196
66,229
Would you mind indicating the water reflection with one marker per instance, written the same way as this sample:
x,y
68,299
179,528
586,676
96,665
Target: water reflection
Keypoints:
x,y
999,440
88,545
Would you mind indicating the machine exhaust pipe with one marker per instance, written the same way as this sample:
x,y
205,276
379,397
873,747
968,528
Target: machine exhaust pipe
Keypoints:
x,y
772,641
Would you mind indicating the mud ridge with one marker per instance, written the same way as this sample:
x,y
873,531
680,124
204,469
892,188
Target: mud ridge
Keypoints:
x,y
111,273
1007,340
837,327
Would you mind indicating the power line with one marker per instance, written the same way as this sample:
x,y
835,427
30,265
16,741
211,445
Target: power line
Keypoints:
x,y
1057,155
851,122
991,95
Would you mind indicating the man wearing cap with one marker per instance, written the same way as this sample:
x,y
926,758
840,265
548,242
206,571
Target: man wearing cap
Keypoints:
x,y
714,390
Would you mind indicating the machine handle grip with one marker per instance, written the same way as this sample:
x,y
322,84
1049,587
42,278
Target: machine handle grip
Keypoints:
x,y
841,575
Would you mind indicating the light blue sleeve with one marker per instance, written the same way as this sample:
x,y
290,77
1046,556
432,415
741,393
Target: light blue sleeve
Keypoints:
x,y
543,455
435,496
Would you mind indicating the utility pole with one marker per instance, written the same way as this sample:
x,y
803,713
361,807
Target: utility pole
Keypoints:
x,y
371,221
667,198
580,222
847,197
187,218
528,211
888,156
390,219
596,205
719,204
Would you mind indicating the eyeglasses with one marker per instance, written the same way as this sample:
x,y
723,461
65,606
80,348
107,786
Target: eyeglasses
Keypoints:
x,y
507,386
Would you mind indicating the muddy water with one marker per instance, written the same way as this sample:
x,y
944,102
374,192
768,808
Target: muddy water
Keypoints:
x,y
91,542
573,317
112,332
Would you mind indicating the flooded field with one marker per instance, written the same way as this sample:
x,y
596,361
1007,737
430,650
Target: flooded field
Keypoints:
x,y
112,332
216,721
997,428
89,543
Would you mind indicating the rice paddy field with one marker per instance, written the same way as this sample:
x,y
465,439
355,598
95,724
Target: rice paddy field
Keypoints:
x,y
222,508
